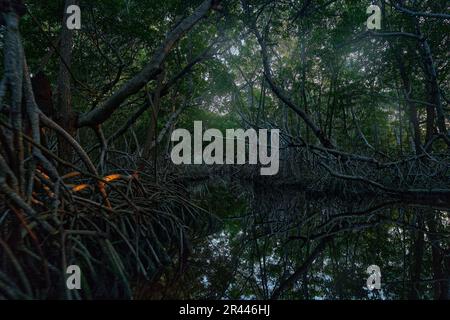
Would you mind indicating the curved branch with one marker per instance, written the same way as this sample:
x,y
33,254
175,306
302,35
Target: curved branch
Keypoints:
x,y
83,155
149,72
284,98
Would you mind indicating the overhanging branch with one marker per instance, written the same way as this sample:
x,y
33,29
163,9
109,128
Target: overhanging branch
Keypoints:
x,y
148,73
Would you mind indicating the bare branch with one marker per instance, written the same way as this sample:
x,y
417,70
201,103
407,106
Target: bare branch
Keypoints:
x,y
149,72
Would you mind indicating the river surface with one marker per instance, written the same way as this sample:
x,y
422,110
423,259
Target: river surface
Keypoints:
x,y
265,235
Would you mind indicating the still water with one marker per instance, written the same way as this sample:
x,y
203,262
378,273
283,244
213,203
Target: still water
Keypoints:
x,y
285,243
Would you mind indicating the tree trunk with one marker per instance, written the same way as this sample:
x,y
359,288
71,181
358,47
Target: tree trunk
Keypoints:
x,y
417,251
440,284
412,109
66,117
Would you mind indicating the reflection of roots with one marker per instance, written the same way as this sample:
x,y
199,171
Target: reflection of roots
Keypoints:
x,y
301,229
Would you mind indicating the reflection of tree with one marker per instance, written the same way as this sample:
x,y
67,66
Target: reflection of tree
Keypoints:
x,y
299,242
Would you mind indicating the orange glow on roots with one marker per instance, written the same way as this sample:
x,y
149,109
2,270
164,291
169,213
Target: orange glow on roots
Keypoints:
x,y
80,187
112,177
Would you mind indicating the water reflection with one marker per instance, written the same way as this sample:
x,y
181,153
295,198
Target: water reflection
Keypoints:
x,y
282,243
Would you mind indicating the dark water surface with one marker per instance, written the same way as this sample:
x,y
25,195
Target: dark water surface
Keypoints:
x,y
281,242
